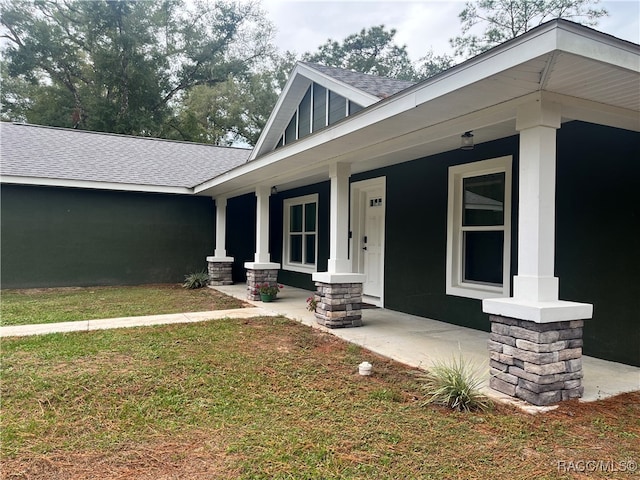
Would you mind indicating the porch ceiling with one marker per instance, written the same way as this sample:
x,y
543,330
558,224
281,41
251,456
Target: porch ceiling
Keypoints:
x,y
595,79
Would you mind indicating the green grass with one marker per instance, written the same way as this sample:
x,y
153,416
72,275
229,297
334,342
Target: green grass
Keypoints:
x,y
268,398
31,306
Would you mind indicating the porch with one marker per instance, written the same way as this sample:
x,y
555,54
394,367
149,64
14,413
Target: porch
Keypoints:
x,y
418,342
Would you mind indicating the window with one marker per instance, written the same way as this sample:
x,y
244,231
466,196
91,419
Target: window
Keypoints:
x,y
479,229
300,233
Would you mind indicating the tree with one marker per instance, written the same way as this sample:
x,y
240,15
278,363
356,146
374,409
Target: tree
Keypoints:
x,y
122,66
371,51
506,19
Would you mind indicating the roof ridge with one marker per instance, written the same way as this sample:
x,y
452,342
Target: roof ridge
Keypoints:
x,y
316,64
121,135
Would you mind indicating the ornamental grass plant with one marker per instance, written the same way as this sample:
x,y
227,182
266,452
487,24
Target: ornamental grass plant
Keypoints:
x,y
455,385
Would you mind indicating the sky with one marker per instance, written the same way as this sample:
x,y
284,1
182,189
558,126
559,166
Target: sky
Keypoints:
x,y
422,25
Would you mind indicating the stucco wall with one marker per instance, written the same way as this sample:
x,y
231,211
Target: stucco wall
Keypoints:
x,y
74,237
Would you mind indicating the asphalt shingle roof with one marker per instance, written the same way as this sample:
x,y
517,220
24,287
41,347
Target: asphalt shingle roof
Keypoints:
x,y
58,153
381,87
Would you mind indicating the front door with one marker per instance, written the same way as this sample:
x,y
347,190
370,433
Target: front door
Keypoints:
x,y
367,230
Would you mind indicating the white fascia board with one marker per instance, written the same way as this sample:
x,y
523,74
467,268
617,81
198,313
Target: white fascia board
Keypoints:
x,y
86,184
598,46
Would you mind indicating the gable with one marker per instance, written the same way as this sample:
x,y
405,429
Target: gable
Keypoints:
x,y
317,96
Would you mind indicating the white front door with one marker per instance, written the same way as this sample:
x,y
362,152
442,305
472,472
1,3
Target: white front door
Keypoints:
x,y
367,244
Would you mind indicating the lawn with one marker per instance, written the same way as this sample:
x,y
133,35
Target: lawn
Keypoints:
x,y
269,398
51,305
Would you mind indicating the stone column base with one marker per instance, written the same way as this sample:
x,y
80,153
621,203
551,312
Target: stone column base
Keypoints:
x,y
339,304
220,271
257,277
540,363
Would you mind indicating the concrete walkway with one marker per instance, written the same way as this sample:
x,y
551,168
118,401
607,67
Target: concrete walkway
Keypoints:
x,y
414,341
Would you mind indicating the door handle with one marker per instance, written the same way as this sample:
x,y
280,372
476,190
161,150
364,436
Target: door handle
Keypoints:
x,y
364,248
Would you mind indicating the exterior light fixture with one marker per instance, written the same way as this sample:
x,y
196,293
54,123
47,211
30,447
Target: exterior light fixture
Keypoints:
x,y
274,190
466,141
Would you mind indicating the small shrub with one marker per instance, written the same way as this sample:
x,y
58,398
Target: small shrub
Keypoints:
x,y
196,280
455,385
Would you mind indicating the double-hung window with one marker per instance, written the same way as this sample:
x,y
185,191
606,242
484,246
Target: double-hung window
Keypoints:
x,y
300,233
479,229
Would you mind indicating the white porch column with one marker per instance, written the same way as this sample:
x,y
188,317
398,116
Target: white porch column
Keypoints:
x,y
220,265
339,291
261,270
262,225
221,229
537,123
535,288
339,219
536,339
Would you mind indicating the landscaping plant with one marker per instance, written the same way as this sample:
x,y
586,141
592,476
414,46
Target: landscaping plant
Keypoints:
x,y
455,385
196,280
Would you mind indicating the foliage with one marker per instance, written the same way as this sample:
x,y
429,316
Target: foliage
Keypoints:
x,y
455,385
122,66
506,19
267,288
371,51
196,280
312,303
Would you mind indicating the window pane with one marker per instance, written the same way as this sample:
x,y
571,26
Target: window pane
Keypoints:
x,y
483,257
290,132
304,115
319,107
337,107
310,249
295,218
310,217
484,200
295,252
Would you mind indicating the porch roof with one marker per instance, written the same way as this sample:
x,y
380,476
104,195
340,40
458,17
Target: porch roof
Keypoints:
x,y
594,76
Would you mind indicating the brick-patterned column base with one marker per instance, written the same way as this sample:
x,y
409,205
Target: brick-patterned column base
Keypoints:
x,y
339,304
257,277
219,272
540,363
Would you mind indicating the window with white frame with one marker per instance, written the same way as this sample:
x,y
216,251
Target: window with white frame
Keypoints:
x,y
300,233
479,229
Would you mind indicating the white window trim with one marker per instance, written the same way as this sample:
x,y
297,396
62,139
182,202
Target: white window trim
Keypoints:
x,y
286,264
455,284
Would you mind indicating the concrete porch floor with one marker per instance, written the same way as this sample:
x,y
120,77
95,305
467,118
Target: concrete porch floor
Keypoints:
x,y
418,342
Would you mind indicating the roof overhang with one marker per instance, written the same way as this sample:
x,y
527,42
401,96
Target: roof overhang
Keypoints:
x,y
593,76
123,187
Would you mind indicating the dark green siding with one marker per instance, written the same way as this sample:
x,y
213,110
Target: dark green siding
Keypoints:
x,y
73,237
241,233
297,279
598,235
416,235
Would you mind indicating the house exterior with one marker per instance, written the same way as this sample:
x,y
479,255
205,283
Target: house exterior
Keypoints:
x,y
359,189
85,208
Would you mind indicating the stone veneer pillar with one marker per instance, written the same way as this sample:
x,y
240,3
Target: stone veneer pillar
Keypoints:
x,y
540,363
259,276
339,304
220,271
